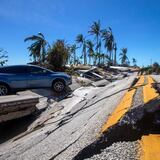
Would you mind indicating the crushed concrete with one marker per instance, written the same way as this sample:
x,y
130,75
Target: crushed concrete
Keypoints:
x,y
83,81
138,98
156,78
100,83
119,151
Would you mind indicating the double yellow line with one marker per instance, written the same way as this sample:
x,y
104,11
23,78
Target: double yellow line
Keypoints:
x,y
123,107
150,144
149,93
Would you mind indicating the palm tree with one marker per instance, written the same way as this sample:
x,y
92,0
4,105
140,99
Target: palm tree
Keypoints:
x,y
81,40
95,29
123,56
134,61
103,57
90,50
3,57
38,47
73,51
108,39
95,55
115,53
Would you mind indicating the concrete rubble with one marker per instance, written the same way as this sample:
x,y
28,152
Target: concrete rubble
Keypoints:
x,y
17,106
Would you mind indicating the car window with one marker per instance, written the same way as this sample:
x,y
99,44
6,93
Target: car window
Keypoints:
x,y
19,70
14,70
37,70
4,70
1,70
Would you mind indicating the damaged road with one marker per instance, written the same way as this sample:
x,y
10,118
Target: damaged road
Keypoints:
x,y
68,126
111,122
129,137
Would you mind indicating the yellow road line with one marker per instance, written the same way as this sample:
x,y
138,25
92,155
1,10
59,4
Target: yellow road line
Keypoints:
x,y
122,108
149,93
150,144
150,147
140,81
150,80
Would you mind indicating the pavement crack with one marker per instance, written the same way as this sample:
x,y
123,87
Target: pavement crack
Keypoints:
x,y
52,158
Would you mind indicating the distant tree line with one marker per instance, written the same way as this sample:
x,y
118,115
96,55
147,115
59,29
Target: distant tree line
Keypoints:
x,y
98,47
3,57
151,69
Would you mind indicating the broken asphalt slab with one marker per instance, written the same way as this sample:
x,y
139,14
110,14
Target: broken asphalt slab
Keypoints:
x,y
67,133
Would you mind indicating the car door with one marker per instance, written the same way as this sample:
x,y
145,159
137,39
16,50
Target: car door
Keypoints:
x,y
39,77
18,76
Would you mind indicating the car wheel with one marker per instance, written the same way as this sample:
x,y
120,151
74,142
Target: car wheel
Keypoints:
x,y
58,86
4,90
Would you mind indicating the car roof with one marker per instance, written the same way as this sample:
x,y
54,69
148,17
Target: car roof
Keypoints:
x,y
23,65
26,65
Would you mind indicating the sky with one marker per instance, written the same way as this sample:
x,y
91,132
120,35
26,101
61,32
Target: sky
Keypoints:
x,y
135,24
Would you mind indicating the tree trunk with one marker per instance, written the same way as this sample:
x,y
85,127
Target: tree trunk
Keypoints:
x,y
85,58
97,44
110,57
99,60
74,57
115,57
95,59
89,60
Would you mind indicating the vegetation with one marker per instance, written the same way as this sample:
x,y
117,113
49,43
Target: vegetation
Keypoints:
x,y
134,61
73,55
123,57
97,48
38,49
90,50
3,57
152,69
95,30
115,53
58,54
108,38
82,41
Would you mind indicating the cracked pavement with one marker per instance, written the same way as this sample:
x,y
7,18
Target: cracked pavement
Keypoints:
x,y
67,126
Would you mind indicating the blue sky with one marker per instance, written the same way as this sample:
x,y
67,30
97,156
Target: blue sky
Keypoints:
x,y
135,24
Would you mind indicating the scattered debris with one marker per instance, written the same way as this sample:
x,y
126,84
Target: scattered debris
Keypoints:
x,y
100,83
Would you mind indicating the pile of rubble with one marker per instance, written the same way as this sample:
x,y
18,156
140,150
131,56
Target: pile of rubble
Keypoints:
x,y
89,76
